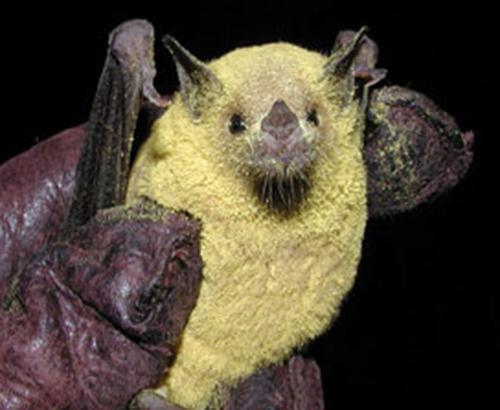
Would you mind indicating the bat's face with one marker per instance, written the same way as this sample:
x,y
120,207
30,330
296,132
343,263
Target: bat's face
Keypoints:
x,y
261,119
271,122
268,112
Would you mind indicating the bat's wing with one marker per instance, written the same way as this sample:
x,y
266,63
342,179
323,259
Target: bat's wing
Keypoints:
x,y
39,186
50,191
126,85
36,191
413,151
99,317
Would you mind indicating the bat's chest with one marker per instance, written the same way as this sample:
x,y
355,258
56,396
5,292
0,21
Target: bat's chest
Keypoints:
x,y
269,286
264,294
261,297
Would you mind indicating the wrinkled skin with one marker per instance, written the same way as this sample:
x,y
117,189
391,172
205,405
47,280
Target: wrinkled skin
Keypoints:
x,y
295,385
97,319
413,150
36,192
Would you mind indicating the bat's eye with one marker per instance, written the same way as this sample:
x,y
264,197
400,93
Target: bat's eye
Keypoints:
x,y
237,124
312,117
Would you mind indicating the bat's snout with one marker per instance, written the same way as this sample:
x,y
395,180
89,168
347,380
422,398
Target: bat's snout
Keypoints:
x,y
281,123
281,147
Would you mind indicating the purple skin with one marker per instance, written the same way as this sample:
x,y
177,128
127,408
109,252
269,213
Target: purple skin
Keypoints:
x,y
294,385
366,59
413,152
37,186
98,319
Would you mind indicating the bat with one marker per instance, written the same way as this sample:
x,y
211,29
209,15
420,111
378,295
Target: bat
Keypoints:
x,y
283,154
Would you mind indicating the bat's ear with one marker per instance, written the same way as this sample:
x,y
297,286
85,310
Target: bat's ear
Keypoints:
x,y
199,85
413,150
338,70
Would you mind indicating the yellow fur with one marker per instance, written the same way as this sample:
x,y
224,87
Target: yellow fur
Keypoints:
x,y
271,282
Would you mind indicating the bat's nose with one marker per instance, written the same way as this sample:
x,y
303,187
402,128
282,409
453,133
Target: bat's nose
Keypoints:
x,y
281,122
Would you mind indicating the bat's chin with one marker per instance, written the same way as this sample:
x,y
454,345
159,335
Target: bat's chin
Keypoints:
x,y
282,194
281,171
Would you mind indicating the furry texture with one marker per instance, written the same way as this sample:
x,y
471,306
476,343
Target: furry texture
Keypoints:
x,y
271,282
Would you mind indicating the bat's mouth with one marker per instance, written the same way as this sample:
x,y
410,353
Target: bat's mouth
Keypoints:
x,y
282,195
281,156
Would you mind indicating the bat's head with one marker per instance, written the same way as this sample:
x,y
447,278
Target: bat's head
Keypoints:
x,y
268,110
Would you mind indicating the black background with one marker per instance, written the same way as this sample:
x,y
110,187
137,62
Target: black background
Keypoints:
x,y
419,328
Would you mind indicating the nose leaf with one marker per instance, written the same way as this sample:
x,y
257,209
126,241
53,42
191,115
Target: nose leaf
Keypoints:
x,y
281,122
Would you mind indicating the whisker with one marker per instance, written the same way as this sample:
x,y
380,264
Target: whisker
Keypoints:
x,y
271,203
292,189
303,177
263,190
280,189
283,192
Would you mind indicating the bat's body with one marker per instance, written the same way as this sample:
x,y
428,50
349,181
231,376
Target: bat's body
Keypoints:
x,y
272,280
267,147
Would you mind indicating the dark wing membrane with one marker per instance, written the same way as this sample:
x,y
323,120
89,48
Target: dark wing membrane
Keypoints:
x,y
413,150
125,84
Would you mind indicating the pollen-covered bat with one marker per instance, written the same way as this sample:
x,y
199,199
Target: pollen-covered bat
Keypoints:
x,y
282,153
